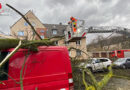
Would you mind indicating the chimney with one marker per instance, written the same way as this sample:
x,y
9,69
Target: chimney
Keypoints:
x,y
60,23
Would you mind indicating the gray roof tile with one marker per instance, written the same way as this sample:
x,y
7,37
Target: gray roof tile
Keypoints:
x,y
59,27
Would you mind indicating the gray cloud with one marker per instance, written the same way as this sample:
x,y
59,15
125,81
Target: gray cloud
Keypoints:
x,y
95,12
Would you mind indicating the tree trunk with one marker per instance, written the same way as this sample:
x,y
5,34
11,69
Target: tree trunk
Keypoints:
x,y
12,43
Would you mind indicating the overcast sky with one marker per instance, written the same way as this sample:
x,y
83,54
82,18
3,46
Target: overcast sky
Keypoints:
x,y
94,12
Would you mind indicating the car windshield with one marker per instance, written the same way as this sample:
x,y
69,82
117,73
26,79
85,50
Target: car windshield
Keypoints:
x,y
120,60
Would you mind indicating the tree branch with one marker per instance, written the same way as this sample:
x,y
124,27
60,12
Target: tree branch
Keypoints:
x,y
11,54
33,29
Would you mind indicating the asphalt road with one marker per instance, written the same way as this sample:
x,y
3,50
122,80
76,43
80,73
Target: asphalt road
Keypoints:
x,y
114,83
118,84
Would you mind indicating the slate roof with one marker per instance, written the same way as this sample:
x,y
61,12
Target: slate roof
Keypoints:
x,y
59,27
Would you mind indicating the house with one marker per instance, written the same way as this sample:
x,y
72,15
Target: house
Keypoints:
x,y
3,36
22,30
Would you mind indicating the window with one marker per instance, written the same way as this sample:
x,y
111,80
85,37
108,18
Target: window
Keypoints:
x,y
78,42
97,61
69,35
113,52
119,52
54,31
42,36
56,42
42,31
33,24
66,43
4,68
128,60
103,60
78,52
20,33
25,24
64,32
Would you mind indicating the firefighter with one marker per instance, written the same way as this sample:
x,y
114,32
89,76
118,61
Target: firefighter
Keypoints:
x,y
74,23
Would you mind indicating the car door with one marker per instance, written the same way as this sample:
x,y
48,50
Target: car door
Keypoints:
x,y
104,63
128,62
97,64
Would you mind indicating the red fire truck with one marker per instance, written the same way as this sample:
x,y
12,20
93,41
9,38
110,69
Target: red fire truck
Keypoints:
x,y
120,53
47,69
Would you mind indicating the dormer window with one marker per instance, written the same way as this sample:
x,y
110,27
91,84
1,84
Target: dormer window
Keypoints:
x,y
54,31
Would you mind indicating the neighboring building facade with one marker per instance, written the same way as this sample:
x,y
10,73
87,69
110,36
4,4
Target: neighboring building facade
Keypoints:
x,y
22,30
101,54
53,31
57,31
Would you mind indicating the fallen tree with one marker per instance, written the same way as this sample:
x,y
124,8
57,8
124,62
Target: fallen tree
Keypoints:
x,y
12,43
16,44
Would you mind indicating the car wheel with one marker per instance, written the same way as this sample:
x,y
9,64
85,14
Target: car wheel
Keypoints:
x,y
107,69
123,66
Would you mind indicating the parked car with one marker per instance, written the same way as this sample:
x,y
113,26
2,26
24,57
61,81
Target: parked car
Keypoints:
x,y
98,64
122,63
